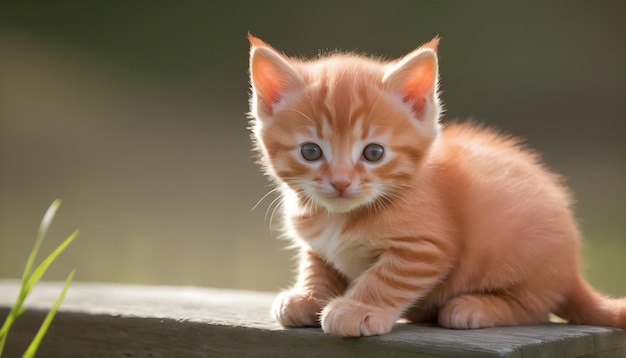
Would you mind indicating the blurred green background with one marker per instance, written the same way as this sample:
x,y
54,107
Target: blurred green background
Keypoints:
x,y
133,112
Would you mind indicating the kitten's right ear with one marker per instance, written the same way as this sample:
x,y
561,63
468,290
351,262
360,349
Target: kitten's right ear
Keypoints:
x,y
272,76
414,77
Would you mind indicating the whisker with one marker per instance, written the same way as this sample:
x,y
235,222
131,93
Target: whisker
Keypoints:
x,y
264,196
304,115
395,198
279,198
373,121
274,211
308,205
373,107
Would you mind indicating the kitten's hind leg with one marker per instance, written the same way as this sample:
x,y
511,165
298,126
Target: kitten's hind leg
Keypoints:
x,y
481,310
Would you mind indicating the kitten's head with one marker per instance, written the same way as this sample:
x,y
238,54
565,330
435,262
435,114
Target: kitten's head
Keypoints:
x,y
344,131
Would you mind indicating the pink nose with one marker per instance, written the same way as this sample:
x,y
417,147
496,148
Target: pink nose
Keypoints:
x,y
341,184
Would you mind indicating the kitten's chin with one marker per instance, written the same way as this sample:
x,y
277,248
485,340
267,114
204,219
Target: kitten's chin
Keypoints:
x,y
340,205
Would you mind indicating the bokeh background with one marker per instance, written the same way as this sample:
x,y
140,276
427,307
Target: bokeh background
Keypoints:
x,y
134,113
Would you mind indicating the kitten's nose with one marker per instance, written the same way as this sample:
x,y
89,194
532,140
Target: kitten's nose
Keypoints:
x,y
340,183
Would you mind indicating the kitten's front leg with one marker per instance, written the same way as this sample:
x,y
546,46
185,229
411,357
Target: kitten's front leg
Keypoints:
x,y
317,284
403,274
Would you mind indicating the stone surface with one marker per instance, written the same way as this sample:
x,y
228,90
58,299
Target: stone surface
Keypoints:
x,y
106,320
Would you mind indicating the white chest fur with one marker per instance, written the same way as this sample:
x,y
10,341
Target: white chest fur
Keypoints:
x,y
349,254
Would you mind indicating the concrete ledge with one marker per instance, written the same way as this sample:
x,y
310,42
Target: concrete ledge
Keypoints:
x,y
105,320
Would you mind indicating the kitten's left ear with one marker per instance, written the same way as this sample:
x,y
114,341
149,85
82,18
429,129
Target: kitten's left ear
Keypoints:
x,y
414,77
271,74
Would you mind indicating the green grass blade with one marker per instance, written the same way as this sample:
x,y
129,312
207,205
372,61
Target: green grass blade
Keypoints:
x,y
3,336
43,230
43,266
34,345
17,308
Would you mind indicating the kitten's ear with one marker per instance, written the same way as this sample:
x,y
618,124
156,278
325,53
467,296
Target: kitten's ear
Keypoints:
x,y
271,74
414,77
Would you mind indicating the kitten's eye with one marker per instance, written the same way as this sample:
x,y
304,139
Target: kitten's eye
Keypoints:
x,y
373,152
311,151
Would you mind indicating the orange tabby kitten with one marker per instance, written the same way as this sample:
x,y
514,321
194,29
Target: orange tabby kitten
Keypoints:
x,y
397,217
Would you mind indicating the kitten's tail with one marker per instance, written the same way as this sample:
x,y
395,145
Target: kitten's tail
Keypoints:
x,y
584,305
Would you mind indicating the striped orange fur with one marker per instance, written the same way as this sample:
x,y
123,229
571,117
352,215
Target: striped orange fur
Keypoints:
x,y
397,217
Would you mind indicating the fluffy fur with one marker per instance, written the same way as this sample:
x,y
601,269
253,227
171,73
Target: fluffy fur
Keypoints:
x,y
460,226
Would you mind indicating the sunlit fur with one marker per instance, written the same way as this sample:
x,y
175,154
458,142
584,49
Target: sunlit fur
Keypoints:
x,y
460,225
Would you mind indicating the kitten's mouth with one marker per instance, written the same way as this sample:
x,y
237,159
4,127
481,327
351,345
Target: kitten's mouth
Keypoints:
x,y
340,196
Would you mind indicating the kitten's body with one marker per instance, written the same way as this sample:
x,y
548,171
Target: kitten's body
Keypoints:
x,y
461,226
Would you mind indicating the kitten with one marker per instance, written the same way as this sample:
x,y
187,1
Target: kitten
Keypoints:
x,y
397,217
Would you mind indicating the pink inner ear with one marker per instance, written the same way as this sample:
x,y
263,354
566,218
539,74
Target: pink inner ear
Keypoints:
x,y
267,82
417,105
420,84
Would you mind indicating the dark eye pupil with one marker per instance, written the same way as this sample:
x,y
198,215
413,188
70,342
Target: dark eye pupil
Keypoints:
x,y
311,151
373,152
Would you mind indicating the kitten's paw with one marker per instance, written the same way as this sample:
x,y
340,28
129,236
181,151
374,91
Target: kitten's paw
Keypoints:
x,y
349,318
465,312
296,309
